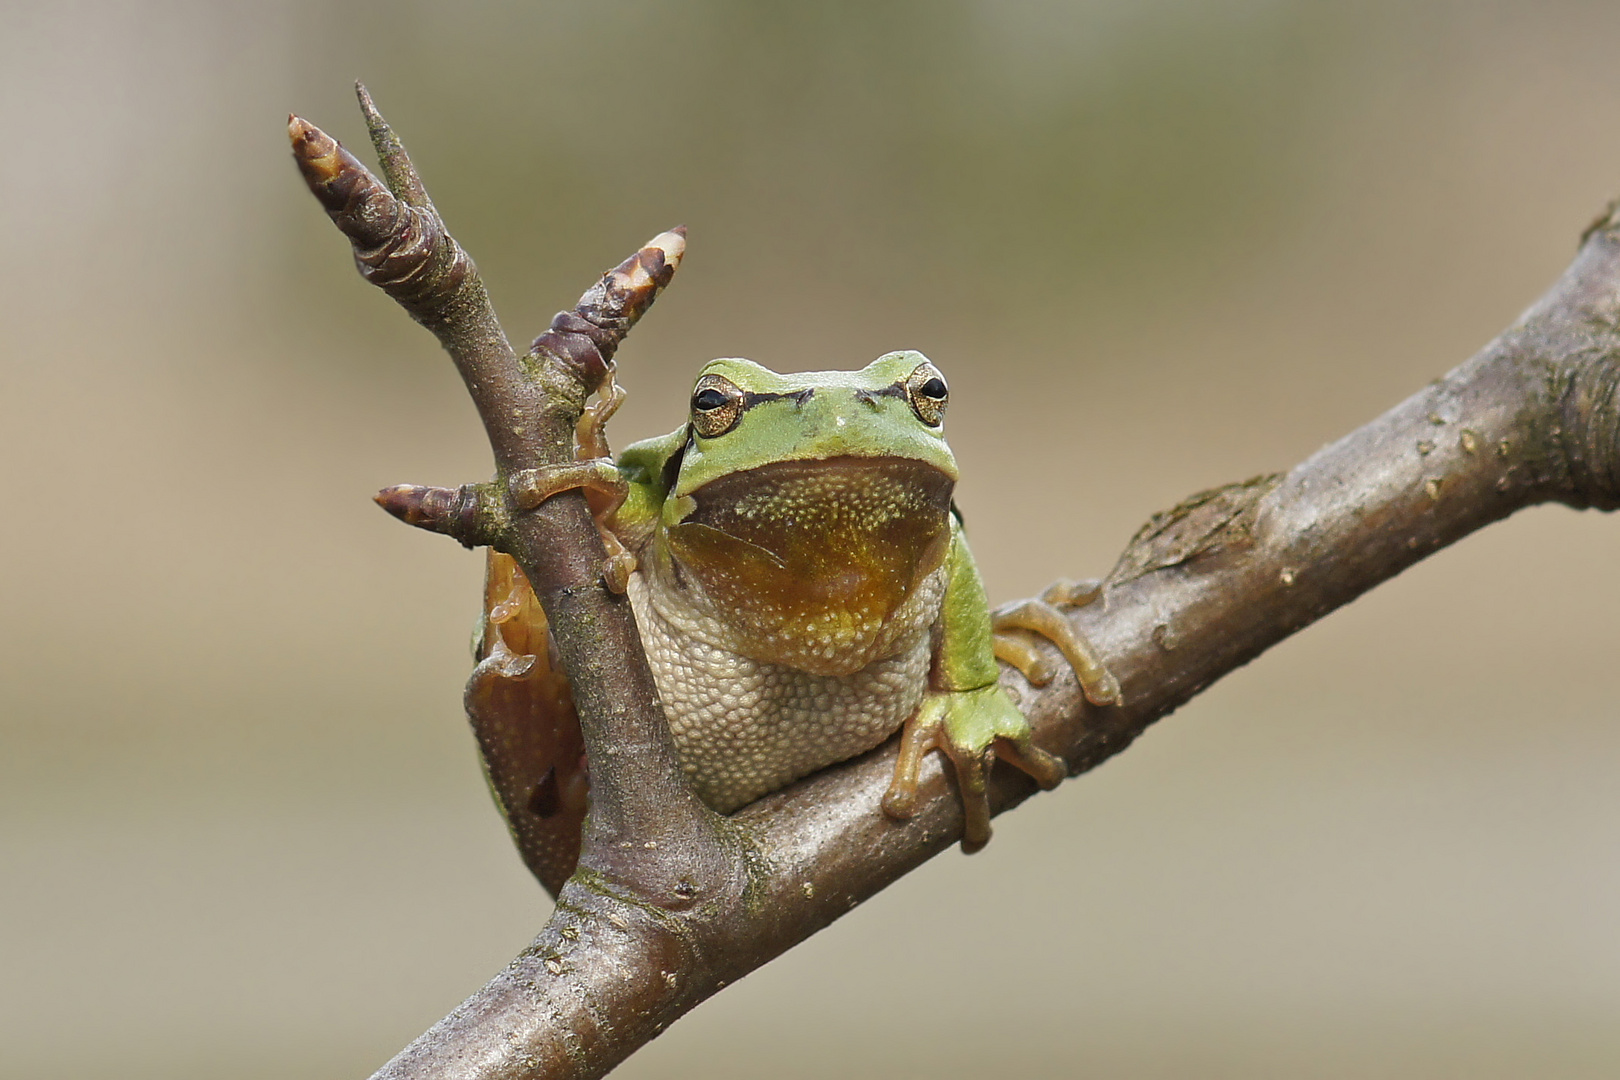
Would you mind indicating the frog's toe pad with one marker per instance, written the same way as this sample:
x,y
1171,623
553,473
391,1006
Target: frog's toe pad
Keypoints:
x,y
1047,770
900,802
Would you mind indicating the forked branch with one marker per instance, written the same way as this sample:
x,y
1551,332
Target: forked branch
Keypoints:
x,y
673,902
529,406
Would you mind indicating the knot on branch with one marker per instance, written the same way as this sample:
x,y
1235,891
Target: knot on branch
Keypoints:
x,y
403,249
1201,525
1588,430
584,340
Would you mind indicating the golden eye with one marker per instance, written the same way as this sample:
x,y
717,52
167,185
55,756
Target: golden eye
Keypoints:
x,y
928,394
717,405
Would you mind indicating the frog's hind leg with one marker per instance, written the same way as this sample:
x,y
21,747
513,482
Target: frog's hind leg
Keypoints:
x,y
522,711
1013,622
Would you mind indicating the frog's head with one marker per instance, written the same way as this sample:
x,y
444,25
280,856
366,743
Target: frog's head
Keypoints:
x,y
745,416
819,499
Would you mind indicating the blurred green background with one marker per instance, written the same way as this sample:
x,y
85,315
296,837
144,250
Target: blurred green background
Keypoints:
x,y
1156,245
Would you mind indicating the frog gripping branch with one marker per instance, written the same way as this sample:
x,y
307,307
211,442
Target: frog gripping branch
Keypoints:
x,y
802,586
795,536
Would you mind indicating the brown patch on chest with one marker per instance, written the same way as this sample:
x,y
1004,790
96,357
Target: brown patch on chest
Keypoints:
x,y
811,560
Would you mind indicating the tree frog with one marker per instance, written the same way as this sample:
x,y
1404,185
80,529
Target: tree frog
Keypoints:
x,y
803,589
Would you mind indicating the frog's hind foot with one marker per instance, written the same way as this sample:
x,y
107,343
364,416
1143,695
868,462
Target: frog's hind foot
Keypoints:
x,y
1014,623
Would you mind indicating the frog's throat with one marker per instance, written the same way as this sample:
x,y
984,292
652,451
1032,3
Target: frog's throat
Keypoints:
x,y
828,549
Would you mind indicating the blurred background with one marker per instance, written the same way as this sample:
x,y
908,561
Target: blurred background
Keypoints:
x,y
1157,245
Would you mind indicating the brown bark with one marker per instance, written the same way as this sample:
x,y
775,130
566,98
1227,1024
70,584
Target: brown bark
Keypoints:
x,y
673,902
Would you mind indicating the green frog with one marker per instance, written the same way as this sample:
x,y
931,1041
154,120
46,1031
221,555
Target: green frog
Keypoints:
x,y
803,589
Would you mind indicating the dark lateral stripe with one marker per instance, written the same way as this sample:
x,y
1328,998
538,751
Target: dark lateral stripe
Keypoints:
x,y
897,390
798,397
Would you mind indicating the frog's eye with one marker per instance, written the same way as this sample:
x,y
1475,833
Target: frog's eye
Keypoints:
x,y
717,405
928,394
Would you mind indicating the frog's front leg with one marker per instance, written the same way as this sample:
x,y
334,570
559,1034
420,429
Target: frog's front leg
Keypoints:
x,y
966,713
593,470
973,727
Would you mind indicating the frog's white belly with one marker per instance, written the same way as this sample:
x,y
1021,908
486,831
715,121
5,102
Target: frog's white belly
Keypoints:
x,y
745,727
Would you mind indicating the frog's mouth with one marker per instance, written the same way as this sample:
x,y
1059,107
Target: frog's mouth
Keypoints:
x,y
838,543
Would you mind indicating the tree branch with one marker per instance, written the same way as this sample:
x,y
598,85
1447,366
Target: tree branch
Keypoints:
x,y
529,407
1201,590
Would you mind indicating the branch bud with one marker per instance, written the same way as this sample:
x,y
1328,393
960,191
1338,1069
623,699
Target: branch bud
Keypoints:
x,y
403,249
455,512
584,340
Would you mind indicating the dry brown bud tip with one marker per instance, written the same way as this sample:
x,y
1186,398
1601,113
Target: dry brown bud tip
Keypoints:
x,y
672,244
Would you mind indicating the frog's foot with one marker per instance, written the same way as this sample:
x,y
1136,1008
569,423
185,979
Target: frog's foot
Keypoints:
x,y
973,727
1014,622
599,477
